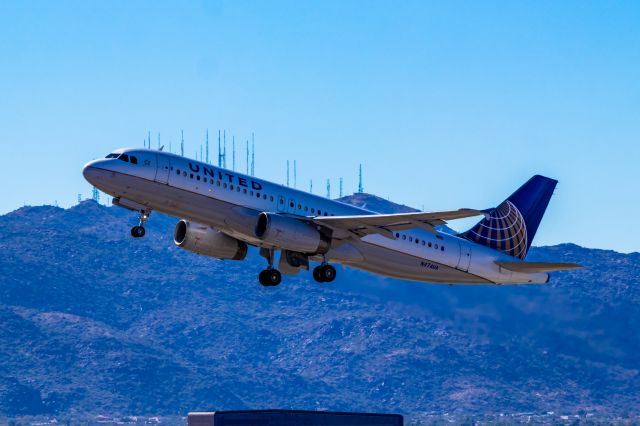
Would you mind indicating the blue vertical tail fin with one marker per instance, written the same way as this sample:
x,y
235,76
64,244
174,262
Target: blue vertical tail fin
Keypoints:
x,y
511,226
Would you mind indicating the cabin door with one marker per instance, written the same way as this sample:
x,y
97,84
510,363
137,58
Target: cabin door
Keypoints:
x,y
465,256
162,171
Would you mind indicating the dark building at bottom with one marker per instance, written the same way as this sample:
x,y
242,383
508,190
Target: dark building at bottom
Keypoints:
x,y
292,418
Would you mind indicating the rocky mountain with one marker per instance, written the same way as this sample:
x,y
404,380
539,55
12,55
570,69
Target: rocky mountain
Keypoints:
x,y
95,322
375,203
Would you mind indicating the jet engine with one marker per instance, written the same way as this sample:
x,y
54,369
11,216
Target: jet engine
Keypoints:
x,y
203,239
291,234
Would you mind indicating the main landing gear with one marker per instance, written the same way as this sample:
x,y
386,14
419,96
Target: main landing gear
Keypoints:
x,y
324,273
139,231
270,277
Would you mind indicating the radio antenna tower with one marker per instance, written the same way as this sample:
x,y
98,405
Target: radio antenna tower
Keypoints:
x,y
340,187
200,152
207,143
253,155
95,195
158,140
79,198
182,143
295,174
311,186
233,153
287,172
149,139
328,188
247,156
360,190
224,151
219,150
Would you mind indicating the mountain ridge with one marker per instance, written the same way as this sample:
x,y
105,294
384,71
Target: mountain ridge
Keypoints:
x,y
93,321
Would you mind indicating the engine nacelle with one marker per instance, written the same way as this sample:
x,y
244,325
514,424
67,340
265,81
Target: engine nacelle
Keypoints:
x,y
203,239
291,234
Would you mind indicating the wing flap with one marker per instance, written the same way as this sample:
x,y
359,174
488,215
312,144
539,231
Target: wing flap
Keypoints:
x,y
536,267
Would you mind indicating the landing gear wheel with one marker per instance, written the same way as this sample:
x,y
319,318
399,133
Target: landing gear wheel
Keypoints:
x,y
270,277
137,231
324,273
328,273
317,274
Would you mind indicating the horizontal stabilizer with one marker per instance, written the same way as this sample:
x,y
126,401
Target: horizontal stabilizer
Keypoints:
x,y
535,267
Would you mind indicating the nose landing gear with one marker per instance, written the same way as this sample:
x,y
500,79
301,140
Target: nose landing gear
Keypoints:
x,y
139,231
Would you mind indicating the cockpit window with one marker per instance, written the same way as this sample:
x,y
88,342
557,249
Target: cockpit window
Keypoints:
x,y
124,157
134,160
112,155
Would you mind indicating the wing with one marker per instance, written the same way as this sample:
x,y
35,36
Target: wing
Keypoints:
x,y
385,224
535,267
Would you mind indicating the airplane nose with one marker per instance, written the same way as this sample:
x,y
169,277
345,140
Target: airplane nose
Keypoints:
x,y
90,172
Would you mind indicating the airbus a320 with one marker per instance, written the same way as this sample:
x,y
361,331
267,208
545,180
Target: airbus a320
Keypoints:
x,y
222,212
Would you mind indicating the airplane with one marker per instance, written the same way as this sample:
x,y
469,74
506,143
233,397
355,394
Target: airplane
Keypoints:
x,y
222,212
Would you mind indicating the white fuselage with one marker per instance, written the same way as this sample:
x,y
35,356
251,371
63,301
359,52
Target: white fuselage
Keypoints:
x,y
231,202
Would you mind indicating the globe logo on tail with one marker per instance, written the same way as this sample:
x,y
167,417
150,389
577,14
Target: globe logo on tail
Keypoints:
x,y
504,230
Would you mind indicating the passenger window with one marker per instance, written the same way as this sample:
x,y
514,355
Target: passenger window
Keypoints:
x,y
417,241
225,185
231,187
410,239
198,177
258,194
422,242
291,204
281,200
218,182
429,244
397,235
404,237
270,198
244,190
191,175
178,171
238,188
441,248
184,174
313,210
134,160
325,213
306,208
436,247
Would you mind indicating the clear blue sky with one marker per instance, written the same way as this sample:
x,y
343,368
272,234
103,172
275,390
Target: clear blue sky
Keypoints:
x,y
447,104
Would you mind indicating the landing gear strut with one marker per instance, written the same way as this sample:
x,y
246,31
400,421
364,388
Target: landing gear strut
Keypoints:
x,y
324,273
270,277
139,231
